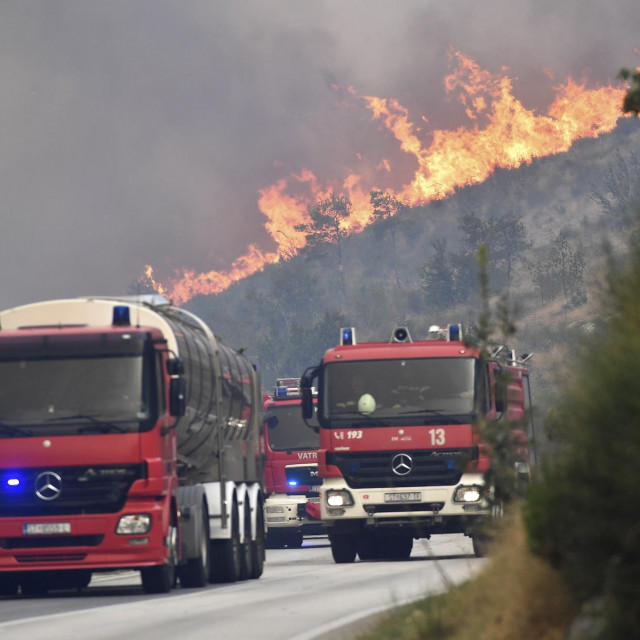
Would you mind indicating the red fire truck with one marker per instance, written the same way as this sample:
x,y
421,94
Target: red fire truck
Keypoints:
x,y
129,439
292,507
398,456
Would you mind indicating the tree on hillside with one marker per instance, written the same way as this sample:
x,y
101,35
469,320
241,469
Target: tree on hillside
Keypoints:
x,y
385,207
505,239
509,241
438,278
326,226
631,103
619,194
562,272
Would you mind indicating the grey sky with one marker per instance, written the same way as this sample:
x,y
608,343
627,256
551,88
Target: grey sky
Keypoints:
x,y
139,131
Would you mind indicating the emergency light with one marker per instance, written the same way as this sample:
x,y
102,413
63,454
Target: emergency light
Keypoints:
x,y
13,482
348,336
121,316
455,332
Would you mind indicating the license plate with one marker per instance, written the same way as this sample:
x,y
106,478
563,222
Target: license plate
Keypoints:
x,y
46,528
403,496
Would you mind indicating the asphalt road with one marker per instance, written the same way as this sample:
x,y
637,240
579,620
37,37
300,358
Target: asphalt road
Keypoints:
x,y
301,595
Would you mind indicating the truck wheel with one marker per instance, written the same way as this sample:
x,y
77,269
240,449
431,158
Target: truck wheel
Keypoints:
x,y
257,547
246,558
397,548
34,584
480,545
161,578
294,540
8,584
195,573
343,548
275,540
225,554
367,547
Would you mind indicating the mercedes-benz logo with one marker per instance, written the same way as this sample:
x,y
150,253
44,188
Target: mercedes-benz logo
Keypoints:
x,y
402,464
48,485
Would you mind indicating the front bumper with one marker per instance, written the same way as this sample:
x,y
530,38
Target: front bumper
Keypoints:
x,y
288,512
92,544
434,512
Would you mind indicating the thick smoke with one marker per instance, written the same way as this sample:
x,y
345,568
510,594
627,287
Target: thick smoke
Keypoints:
x,y
140,133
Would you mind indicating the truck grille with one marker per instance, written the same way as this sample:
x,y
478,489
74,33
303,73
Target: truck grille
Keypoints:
x,y
373,469
46,542
84,490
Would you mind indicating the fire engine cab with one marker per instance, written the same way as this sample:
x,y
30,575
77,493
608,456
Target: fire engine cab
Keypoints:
x,y
292,508
399,456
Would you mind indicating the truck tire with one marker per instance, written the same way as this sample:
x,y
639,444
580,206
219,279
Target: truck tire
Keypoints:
x,y
396,548
480,544
343,548
162,578
225,554
34,584
258,546
275,540
195,573
246,559
8,584
294,540
367,547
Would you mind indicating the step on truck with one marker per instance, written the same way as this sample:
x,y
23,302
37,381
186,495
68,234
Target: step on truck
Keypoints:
x,y
399,457
292,507
129,439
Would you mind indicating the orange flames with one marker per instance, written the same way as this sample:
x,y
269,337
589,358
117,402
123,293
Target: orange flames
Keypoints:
x,y
503,134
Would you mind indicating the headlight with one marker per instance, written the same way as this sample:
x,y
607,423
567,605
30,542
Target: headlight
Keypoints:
x,y
472,493
279,509
339,498
134,524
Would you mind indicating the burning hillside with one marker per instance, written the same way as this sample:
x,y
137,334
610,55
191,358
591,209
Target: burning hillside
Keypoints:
x,y
500,133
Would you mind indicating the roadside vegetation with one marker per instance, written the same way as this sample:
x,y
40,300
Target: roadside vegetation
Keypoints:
x,y
566,563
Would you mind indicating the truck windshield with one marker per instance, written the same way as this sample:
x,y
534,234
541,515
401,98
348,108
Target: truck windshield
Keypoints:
x,y
286,430
75,395
391,392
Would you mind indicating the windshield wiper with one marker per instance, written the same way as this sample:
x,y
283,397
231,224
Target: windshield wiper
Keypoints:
x,y
97,424
8,430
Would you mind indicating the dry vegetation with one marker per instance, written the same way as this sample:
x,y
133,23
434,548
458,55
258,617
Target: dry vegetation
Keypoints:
x,y
518,597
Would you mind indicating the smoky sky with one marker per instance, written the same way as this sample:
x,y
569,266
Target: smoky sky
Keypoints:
x,y
138,132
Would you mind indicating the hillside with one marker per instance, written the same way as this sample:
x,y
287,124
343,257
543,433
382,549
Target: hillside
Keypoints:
x,y
287,315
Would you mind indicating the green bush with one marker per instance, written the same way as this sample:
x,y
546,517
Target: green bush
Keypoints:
x,y
582,511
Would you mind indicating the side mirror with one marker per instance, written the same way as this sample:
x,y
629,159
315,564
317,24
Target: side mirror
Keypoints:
x,y
306,384
177,397
307,404
175,366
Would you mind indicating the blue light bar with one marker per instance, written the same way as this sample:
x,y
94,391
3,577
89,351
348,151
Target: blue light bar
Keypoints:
x,y
121,316
348,336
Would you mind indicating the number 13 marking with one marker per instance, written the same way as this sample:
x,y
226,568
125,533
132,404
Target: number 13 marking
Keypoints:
x,y
437,436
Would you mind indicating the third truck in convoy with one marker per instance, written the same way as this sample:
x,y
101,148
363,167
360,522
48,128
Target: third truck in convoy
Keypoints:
x,y
399,457
292,508
129,440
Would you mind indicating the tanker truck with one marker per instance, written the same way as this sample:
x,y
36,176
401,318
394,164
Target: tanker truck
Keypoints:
x,y
130,439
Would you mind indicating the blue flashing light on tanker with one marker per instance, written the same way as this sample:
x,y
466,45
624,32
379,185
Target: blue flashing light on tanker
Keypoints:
x,y
121,317
13,482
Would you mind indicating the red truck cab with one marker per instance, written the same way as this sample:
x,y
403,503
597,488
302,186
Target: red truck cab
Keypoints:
x,y
399,455
292,508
